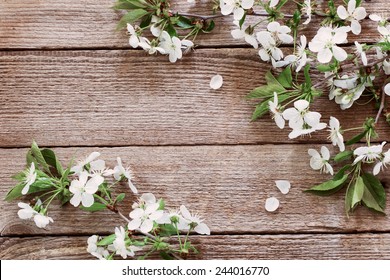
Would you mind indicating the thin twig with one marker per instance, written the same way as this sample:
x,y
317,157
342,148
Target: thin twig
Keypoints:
x,y
146,234
382,106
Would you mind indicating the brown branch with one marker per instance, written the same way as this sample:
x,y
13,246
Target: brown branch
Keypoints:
x,y
382,106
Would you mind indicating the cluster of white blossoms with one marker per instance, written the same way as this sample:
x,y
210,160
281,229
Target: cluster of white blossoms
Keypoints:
x,y
90,174
37,213
373,154
147,216
163,43
147,212
300,119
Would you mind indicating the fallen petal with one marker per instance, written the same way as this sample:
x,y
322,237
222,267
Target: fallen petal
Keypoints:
x,y
271,204
216,82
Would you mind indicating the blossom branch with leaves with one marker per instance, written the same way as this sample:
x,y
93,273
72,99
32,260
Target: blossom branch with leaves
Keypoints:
x,y
90,185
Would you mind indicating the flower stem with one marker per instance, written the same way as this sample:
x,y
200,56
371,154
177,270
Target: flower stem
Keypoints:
x,y
382,106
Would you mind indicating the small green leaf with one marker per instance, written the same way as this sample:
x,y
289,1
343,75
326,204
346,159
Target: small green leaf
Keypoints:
x,y
16,191
260,110
129,4
329,187
308,83
165,256
210,27
342,156
184,22
356,138
107,240
37,154
285,78
131,17
271,80
354,194
120,197
171,30
51,159
94,208
265,91
374,196
146,21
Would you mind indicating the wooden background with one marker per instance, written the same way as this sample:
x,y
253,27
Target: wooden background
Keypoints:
x,y
70,82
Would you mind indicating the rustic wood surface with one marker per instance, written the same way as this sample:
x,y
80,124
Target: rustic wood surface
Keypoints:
x,y
71,82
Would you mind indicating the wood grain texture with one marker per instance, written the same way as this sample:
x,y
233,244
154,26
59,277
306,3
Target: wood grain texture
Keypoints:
x,y
228,185
262,247
102,98
35,24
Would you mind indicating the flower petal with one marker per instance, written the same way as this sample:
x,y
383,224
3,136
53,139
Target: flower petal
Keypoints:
x,y
271,204
216,82
283,185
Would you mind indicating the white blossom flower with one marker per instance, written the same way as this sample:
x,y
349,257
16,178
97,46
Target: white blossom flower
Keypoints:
x,y
387,89
269,49
325,44
335,134
368,154
155,28
283,185
301,120
194,220
382,163
280,32
347,92
353,14
83,189
174,217
386,67
275,110
41,220
216,82
361,53
95,250
27,213
144,218
236,7
300,59
134,40
320,161
271,204
120,171
119,244
273,3
307,9
77,169
31,176
242,33
98,168
150,48
173,46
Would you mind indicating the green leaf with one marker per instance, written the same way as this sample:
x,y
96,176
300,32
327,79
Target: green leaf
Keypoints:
x,y
342,156
171,30
184,22
146,21
37,154
271,80
16,191
265,91
356,138
308,83
120,197
129,4
107,240
374,196
210,27
285,78
260,110
94,208
329,187
165,256
131,17
167,230
354,194
51,159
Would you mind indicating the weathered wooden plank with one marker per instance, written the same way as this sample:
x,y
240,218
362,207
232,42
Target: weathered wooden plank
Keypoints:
x,y
102,98
228,185
91,23
267,247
